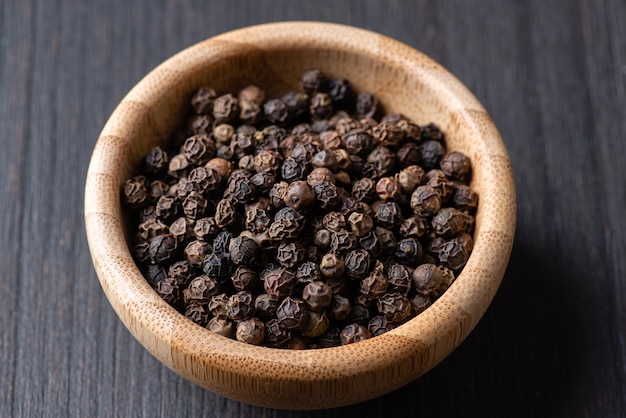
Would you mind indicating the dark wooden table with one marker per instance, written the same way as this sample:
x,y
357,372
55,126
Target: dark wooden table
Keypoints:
x,y
551,73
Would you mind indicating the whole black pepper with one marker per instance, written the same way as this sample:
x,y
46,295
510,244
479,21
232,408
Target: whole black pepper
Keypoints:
x,y
399,279
358,141
225,213
196,251
240,306
379,325
199,314
394,306
168,290
225,108
357,264
163,248
257,220
293,170
279,282
250,331
198,149
135,192
452,254
243,250
312,81
321,106
315,325
409,252
317,296
366,105
299,196
218,266
332,266
339,307
276,335
354,333
156,161
426,279
202,100
375,284
326,195
464,198
218,305
425,201
266,305
432,154
221,326
292,313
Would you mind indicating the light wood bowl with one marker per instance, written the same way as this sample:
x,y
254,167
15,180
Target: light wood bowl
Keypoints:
x,y
274,56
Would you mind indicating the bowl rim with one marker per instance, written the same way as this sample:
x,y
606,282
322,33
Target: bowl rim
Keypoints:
x,y
398,356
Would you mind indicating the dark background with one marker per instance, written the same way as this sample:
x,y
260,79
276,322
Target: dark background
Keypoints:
x,y
551,73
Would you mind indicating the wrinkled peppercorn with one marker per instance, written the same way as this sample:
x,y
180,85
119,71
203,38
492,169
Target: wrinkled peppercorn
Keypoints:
x,y
250,331
354,333
292,313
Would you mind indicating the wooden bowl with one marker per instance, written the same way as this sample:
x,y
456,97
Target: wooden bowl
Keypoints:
x,y
274,56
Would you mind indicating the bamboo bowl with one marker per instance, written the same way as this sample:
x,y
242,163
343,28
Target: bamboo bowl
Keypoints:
x,y
274,56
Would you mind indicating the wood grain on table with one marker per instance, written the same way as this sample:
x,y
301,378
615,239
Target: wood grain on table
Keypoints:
x,y
552,74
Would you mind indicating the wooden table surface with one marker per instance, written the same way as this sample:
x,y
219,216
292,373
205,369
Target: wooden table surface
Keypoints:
x,y
551,73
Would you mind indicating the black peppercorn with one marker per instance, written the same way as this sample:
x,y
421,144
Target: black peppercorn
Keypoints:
x,y
200,290
251,331
464,198
409,251
168,290
289,254
326,195
198,313
317,296
332,266
399,279
321,106
194,206
342,241
375,284
198,149
354,333
240,306
156,161
218,266
299,196
276,335
297,104
221,326
432,154
379,325
202,100
394,306
150,229
330,338
366,105
163,248
218,305
243,250
427,278
410,177
279,282
312,81
339,307
419,303
135,192
315,325
293,170
339,90
357,264
358,141
225,108
196,251
425,201
292,313
387,240
225,213
452,254
388,134
257,220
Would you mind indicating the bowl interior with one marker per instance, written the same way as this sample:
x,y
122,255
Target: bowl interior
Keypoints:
x,y
273,57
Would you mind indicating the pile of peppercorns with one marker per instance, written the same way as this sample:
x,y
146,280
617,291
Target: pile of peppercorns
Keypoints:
x,y
301,221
